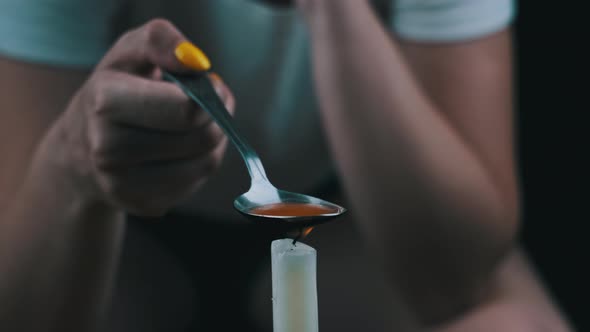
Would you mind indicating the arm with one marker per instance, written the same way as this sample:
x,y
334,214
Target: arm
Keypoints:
x,y
127,141
56,246
422,138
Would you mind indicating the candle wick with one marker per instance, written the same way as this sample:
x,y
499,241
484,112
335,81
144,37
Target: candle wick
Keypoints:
x,y
298,236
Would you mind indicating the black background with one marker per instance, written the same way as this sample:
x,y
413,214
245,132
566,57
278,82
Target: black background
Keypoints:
x,y
552,86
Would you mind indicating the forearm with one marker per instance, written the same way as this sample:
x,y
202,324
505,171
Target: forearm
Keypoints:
x,y
125,142
428,204
58,251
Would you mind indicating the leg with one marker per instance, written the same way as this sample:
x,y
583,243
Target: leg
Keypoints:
x,y
185,274
354,296
521,304
152,292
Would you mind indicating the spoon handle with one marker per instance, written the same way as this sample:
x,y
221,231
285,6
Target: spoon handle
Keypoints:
x,y
198,87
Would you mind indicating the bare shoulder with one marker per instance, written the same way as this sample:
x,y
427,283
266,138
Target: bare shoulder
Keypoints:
x,y
468,80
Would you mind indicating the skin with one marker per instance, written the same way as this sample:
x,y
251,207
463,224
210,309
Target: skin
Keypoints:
x,y
124,128
441,154
465,193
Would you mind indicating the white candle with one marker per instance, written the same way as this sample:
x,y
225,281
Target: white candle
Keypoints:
x,y
294,290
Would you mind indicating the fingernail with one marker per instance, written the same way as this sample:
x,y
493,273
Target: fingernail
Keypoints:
x,y
215,77
217,83
192,57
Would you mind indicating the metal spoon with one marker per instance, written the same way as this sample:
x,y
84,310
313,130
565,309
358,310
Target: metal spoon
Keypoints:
x,y
261,193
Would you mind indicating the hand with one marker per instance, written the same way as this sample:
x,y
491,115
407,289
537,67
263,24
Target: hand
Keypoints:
x,y
132,140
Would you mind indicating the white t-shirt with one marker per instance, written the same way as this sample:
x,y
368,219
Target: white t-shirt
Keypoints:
x,y
262,52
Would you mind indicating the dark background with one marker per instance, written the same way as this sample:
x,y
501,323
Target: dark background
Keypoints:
x,y
552,86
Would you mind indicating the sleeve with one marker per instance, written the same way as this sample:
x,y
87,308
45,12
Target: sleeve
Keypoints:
x,y
72,33
450,20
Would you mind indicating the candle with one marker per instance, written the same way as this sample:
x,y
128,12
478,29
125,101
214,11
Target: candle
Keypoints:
x,y
294,290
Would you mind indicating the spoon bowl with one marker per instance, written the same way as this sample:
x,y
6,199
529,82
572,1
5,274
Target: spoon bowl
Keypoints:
x,y
263,202
252,202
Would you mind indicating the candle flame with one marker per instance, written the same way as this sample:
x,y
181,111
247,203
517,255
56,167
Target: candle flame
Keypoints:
x,y
302,233
305,232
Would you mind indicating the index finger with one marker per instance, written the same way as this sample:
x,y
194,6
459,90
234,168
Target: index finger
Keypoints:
x,y
145,103
157,43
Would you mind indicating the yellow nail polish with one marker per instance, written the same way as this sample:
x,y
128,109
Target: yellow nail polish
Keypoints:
x,y
191,56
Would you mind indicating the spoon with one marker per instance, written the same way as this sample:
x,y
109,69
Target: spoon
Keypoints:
x,y
263,202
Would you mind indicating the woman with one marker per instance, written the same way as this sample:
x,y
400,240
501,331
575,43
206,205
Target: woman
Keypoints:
x,y
414,106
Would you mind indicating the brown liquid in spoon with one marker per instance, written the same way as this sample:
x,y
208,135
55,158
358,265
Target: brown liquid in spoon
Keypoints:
x,y
292,210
